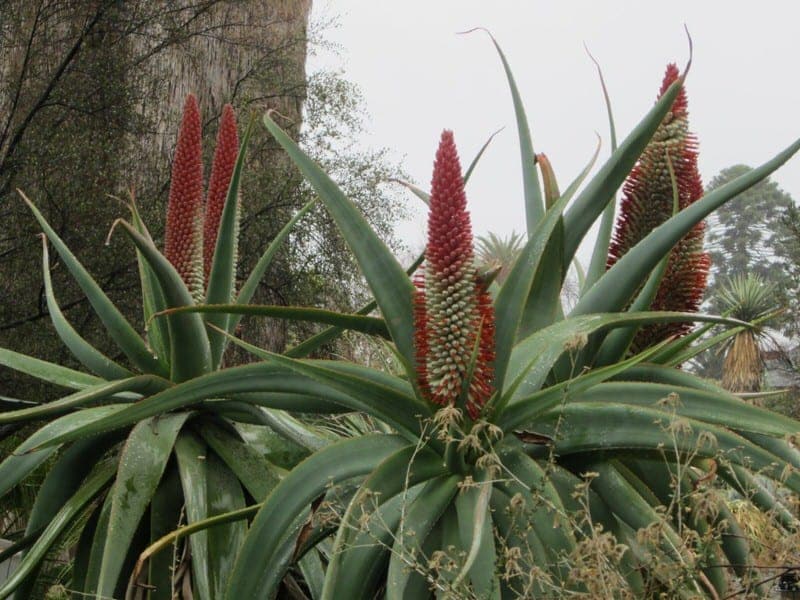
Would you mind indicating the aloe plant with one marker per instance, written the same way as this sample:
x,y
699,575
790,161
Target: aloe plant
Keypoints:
x,y
513,451
120,490
498,474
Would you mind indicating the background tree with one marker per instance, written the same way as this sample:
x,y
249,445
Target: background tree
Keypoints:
x,y
745,236
748,235
747,298
90,97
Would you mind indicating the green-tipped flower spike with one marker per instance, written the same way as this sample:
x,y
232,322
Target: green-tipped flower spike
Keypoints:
x,y
649,201
225,153
452,306
183,243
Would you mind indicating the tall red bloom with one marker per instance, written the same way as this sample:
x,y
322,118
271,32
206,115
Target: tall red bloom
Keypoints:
x,y
225,153
648,201
184,234
452,306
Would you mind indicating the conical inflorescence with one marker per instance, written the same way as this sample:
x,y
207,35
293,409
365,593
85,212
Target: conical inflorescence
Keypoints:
x,y
454,338
225,153
648,201
192,224
183,238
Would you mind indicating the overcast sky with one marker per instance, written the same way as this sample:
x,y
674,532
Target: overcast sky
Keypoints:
x,y
418,76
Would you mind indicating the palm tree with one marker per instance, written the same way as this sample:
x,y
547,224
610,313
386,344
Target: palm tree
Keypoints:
x,y
495,252
747,298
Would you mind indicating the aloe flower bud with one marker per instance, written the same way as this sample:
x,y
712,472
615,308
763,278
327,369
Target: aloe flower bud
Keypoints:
x,y
183,243
648,201
225,153
452,307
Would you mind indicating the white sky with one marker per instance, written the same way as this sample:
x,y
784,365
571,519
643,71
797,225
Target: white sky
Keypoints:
x,y
418,77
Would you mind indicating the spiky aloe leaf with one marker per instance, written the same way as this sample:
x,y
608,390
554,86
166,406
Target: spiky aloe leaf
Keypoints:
x,y
141,464
190,349
118,327
276,520
87,355
390,285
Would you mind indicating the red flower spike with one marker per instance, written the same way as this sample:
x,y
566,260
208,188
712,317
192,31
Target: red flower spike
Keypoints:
x,y
451,306
225,153
183,236
648,201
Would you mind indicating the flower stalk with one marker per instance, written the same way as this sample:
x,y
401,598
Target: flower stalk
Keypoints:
x,y
454,316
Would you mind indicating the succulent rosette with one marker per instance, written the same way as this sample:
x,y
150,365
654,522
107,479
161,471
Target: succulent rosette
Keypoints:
x,y
519,448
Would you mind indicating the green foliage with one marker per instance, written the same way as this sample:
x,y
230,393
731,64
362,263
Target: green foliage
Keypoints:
x,y
748,236
572,479
116,491
574,476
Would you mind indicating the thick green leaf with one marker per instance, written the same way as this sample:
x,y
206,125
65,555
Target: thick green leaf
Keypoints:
x,y
83,351
93,485
513,297
83,548
222,277
534,206
152,297
255,377
142,462
616,343
394,477
24,459
62,481
191,453
120,330
524,411
166,511
542,497
513,527
419,519
388,281
616,287
307,403
363,567
224,541
651,373
725,410
534,357
599,192
626,502
274,522
396,405
764,499
323,337
96,550
257,474
597,264
355,322
616,427
477,539
47,371
136,385
190,351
